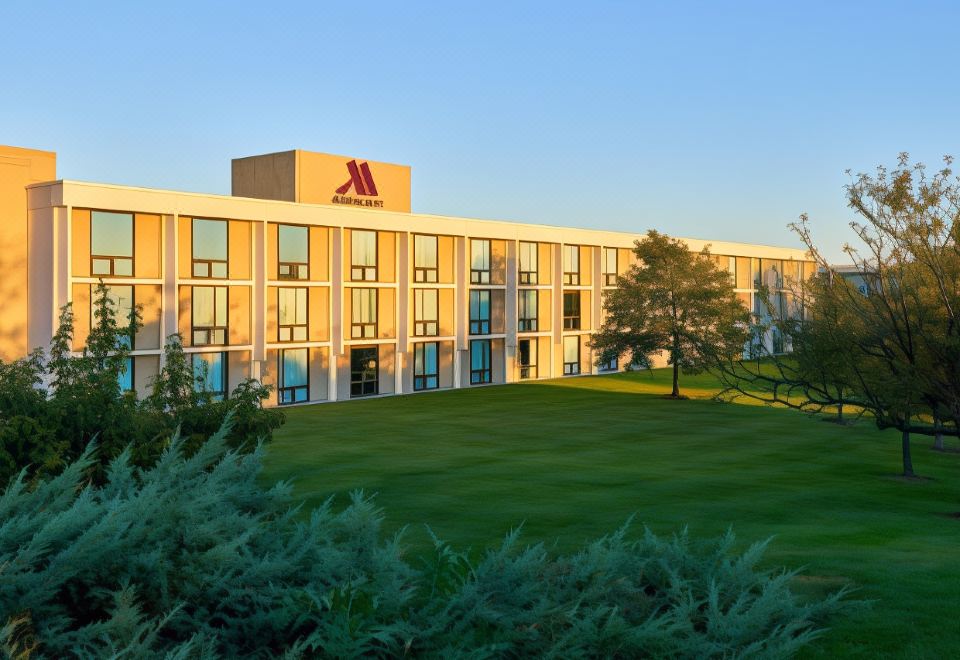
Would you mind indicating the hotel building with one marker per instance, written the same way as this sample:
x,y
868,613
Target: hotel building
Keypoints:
x,y
315,277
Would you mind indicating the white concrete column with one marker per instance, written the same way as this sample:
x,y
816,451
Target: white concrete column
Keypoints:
x,y
556,345
510,314
462,311
596,301
402,311
336,309
170,299
259,309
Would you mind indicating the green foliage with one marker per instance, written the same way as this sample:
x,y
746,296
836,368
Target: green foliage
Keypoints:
x,y
676,301
42,429
193,557
881,336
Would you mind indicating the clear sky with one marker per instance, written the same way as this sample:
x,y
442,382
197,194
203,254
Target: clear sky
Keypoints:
x,y
710,120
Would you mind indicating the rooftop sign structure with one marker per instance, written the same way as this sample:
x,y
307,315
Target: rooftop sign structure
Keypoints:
x,y
315,178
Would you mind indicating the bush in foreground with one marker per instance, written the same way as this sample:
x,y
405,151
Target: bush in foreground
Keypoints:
x,y
193,558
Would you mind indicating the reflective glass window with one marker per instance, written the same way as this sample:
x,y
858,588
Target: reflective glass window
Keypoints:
x,y
210,248
294,375
425,258
528,263
111,244
364,314
426,370
363,251
210,374
293,252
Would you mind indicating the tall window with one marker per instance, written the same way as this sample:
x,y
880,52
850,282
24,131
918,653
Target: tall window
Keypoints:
x,y
527,358
209,308
111,244
480,312
610,269
426,366
480,361
293,313
426,322
125,377
424,258
528,263
364,314
571,310
364,371
293,252
294,375
210,374
210,248
527,319
772,270
121,303
571,355
479,261
571,265
363,256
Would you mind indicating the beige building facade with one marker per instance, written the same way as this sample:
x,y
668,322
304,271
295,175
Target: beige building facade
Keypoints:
x,y
315,277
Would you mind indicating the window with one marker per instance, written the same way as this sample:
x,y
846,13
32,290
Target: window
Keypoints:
x,y
743,273
210,374
770,273
125,377
480,312
364,371
571,310
528,263
363,259
364,314
210,248
425,313
728,264
480,361
424,258
610,365
479,261
293,252
426,370
293,314
111,244
527,319
209,309
571,355
294,375
121,302
527,358
610,269
571,265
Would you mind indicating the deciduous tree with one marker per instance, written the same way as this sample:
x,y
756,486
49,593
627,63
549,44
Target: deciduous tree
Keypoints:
x,y
676,301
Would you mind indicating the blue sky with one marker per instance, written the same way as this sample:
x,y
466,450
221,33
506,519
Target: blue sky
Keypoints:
x,y
712,120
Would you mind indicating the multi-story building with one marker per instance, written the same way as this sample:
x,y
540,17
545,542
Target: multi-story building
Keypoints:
x,y
315,277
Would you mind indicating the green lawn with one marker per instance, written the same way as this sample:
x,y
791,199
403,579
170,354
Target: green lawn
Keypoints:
x,y
572,459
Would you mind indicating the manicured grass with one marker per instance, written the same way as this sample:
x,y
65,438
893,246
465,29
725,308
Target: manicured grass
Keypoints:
x,y
573,459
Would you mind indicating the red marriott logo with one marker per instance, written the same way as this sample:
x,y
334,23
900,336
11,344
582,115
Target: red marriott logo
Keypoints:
x,y
361,179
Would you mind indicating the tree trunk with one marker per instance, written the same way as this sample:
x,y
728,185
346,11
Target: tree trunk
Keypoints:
x,y
907,462
938,438
676,381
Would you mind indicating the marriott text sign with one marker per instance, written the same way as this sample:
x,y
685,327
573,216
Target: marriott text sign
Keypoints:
x,y
314,178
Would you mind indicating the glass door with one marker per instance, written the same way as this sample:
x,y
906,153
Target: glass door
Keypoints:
x,y
364,371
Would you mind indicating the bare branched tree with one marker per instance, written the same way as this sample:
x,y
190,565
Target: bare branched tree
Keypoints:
x,y
881,337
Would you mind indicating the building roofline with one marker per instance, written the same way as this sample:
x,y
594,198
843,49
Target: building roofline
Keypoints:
x,y
376,214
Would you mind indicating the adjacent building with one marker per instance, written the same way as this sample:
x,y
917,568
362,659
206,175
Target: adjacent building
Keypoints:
x,y
315,277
